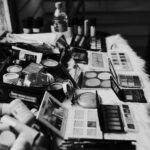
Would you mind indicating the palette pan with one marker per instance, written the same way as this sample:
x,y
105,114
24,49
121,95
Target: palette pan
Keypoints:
x,y
96,79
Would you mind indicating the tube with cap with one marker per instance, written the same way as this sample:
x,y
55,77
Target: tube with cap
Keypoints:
x,y
19,110
21,143
7,139
32,136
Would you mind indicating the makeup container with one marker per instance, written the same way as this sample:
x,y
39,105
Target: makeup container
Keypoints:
x,y
14,69
110,119
87,100
20,128
96,79
19,110
7,139
60,90
11,78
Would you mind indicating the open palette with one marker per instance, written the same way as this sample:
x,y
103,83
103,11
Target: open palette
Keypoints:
x,y
128,88
126,80
80,56
128,94
116,118
95,79
98,61
120,61
89,43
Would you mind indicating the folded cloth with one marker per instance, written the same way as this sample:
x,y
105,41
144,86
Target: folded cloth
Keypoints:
x,y
40,38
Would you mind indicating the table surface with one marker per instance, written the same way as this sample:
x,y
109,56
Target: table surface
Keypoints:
x,y
141,110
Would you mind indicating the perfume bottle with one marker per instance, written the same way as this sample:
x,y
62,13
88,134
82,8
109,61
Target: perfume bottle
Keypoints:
x,y
60,19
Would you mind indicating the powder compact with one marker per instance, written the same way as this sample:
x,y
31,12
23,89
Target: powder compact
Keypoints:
x,y
87,100
14,69
50,63
96,79
11,78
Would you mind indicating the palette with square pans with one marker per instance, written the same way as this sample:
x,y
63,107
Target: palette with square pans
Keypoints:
x,y
120,61
96,79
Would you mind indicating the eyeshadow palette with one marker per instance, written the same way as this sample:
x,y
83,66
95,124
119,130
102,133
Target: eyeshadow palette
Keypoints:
x,y
89,43
98,61
128,117
96,79
120,61
110,118
80,56
128,94
116,118
131,81
126,80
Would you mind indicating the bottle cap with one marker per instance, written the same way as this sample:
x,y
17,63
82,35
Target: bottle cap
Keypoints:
x,y
7,138
93,22
80,21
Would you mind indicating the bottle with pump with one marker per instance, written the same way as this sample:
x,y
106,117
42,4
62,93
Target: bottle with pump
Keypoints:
x,y
60,19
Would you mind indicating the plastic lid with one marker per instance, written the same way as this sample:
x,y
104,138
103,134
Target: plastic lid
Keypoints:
x,y
93,22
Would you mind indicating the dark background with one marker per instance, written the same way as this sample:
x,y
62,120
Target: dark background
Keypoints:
x,y
130,18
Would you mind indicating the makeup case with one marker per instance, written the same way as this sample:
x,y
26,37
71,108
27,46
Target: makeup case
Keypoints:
x,y
31,95
87,43
128,87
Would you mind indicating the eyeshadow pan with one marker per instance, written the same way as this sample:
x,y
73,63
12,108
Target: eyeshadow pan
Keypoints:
x,y
115,127
91,124
78,123
129,97
79,114
78,131
113,119
114,123
91,132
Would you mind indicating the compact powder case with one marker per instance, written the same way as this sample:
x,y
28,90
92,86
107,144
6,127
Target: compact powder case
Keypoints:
x,y
87,100
96,79
50,63
14,69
